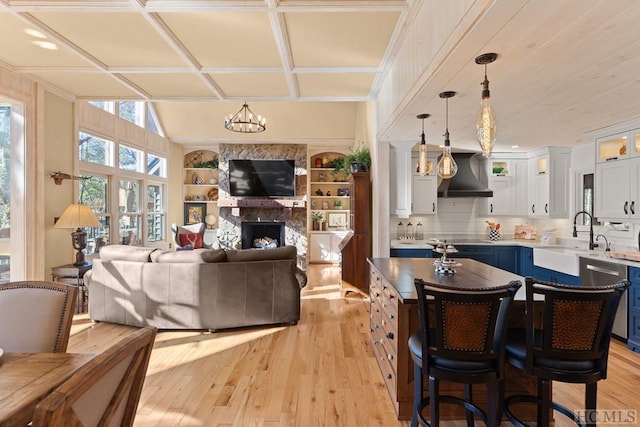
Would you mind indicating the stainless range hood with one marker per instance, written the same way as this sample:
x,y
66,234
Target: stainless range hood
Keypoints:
x,y
464,183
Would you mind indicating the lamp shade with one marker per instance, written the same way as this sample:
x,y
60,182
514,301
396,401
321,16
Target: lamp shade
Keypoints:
x,y
77,216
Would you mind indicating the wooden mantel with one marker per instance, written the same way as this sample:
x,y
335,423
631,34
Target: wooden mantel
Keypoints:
x,y
262,203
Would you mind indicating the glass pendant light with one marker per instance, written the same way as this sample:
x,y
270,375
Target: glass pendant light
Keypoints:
x,y
447,167
422,159
486,120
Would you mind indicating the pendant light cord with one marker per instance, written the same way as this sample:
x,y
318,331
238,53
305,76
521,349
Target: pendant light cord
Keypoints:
x,y
447,116
446,132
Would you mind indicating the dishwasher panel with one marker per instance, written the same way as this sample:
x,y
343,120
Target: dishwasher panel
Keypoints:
x,y
599,273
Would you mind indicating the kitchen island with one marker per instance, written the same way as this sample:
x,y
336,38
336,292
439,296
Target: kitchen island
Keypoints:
x,y
394,317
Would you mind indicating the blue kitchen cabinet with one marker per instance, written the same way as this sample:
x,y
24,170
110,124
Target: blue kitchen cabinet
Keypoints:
x,y
482,253
525,261
633,340
505,258
411,253
553,276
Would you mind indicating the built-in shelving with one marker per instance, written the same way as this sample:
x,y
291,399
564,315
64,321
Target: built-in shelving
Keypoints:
x,y
329,191
200,184
328,195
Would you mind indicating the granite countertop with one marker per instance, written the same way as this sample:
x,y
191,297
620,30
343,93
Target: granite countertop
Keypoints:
x,y
430,244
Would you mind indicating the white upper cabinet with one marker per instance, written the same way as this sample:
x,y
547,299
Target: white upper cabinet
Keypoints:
x,y
424,195
617,191
400,179
424,188
507,178
548,172
620,146
410,192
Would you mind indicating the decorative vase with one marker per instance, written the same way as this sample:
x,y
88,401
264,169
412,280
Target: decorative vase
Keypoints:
x,y
213,181
316,226
354,167
211,220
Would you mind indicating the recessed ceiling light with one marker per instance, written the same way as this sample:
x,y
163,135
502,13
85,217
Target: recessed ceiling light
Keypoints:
x,y
34,33
45,45
515,146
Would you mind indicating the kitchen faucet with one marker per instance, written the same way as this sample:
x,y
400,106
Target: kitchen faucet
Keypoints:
x,y
592,245
606,242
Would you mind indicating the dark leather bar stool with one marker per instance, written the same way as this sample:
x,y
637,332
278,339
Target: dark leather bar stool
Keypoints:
x,y
464,344
571,345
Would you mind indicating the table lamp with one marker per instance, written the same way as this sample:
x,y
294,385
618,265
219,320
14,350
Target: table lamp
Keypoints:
x,y
78,216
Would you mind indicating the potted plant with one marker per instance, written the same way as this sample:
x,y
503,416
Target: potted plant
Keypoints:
x,y
357,161
208,164
317,218
337,204
336,165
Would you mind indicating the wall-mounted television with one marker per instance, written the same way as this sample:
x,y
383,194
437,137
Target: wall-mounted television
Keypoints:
x,y
262,178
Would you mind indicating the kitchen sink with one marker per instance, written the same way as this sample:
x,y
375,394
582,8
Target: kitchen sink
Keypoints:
x,y
563,259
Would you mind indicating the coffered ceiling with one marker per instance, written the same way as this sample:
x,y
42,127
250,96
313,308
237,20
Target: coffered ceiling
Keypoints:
x,y
564,67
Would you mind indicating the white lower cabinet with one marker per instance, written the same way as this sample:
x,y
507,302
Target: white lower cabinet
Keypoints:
x,y
323,246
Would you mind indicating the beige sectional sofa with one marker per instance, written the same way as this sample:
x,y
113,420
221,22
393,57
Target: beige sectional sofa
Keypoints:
x,y
199,289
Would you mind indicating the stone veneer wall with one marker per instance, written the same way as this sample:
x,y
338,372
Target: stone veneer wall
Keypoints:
x,y
295,219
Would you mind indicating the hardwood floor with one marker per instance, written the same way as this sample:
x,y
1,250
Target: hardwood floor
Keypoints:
x,y
318,373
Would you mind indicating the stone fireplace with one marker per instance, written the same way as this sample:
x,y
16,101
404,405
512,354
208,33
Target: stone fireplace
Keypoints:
x,y
290,214
261,234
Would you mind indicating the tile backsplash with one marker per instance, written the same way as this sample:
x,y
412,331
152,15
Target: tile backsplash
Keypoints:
x,y
459,218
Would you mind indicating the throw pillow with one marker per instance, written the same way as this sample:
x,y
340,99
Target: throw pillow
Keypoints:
x,y
192,239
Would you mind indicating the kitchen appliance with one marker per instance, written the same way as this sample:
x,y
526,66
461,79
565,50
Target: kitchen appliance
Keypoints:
x,y
598,273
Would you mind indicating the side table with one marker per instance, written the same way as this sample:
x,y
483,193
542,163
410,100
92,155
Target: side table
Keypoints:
x,y
73,275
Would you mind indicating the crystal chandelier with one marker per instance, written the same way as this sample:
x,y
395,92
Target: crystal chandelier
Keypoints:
x,y
245,121
486,120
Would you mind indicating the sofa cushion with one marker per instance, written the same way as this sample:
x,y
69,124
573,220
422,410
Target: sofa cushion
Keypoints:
x,y
197,256
242,255
194,240
125,253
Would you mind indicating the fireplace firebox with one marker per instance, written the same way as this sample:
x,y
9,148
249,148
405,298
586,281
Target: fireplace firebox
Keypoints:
x,y
262,234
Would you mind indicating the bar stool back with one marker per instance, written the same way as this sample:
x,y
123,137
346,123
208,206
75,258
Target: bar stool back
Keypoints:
x,y
571,345
464,343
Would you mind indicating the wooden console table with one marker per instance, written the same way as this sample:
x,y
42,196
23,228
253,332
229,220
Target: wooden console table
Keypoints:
x,y
394,317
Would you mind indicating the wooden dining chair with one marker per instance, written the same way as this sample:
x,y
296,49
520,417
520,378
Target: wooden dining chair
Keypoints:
x,y
36,316
105,391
